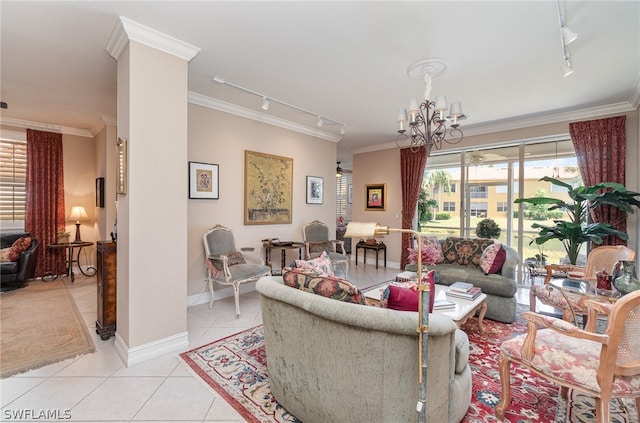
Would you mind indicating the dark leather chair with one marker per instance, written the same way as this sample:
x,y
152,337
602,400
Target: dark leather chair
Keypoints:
x,y
14,274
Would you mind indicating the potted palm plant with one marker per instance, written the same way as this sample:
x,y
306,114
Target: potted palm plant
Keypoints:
x,y
576,231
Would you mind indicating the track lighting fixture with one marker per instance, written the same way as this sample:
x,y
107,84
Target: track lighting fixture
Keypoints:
x,y
266,101
567,36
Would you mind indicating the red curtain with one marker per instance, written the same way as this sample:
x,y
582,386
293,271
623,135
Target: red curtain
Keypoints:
x,y
600,149
44,214
411,174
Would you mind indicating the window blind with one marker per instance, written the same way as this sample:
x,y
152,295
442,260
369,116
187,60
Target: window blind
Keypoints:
x,y
13,180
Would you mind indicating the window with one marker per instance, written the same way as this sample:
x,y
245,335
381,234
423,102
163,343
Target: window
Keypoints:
x,y
452,187
479,192
503,206
478,209
13,180
449,206
557,188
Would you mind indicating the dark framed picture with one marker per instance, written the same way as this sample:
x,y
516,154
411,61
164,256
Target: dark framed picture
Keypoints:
x,y
315,189
204,180
99,192
376,196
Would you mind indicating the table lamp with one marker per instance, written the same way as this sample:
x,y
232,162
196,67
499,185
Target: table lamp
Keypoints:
x,y
78,213
371,229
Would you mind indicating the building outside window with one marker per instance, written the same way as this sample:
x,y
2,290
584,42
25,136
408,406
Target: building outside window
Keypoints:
x,y
449,206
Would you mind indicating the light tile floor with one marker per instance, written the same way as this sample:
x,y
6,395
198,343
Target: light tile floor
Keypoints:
x,y
98,387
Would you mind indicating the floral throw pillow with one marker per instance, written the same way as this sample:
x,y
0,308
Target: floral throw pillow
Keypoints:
x,y
18,247
493,257
405,298
326,286
4,254
433,243
464,251
321,265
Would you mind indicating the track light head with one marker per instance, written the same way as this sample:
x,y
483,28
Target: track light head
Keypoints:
x,y
320,122
265,103
568,36
566,68
343,130
219,80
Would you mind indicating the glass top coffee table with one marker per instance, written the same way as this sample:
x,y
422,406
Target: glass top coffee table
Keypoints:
x,y
575,291
460,313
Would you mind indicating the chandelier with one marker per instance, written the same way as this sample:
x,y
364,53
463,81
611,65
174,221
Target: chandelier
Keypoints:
x,y
427,122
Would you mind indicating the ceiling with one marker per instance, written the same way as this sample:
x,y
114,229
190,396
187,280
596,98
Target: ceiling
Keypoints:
x,y
345,61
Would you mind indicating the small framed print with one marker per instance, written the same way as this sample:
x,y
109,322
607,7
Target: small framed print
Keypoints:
x,y
204,180
315,188
375,195
350,194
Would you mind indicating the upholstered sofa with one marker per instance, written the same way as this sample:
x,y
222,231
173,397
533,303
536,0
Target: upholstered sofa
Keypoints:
x,y
500,288
333,361
15,273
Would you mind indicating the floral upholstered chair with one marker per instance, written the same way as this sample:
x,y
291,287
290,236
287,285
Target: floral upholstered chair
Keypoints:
x,y
604,366
316,240
601,258
227,266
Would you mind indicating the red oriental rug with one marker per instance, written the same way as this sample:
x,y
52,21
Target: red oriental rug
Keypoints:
x,y
235,367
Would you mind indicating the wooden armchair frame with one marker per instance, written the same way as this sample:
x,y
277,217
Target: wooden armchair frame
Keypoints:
x,y
617,364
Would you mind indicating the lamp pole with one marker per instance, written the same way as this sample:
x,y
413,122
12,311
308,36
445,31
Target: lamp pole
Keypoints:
x,y
361,229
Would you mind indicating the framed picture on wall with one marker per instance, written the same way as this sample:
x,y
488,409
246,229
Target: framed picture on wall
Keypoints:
x,y
268,189
204,181
315,187
376,197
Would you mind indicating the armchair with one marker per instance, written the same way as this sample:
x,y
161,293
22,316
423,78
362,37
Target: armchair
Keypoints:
x,y
601,258
316,240
604,366
227,266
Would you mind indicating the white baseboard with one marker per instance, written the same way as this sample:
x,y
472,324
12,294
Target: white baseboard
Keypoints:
x,y
142,353
219,294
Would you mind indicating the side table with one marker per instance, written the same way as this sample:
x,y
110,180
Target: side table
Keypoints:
x,y
378,247
283,246
70,247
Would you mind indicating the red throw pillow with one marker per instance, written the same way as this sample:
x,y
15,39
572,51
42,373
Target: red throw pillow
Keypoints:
x,y
406,299
18,247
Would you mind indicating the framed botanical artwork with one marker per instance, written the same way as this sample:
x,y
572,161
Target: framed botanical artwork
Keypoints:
x,y
204,180
315,189
376,197
350,194
268,187
121,171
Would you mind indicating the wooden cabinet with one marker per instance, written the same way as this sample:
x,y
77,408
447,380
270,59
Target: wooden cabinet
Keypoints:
x,y
106,323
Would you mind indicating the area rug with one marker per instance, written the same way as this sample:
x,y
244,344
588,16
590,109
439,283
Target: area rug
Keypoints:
x,y
40,325
235,367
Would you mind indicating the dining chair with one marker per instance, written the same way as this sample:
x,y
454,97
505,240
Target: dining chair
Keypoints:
x,y
603,366
601,258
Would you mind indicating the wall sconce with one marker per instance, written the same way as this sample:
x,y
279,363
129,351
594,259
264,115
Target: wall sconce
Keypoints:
x,y
78,213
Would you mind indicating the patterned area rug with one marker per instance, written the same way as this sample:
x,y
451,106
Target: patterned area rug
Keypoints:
x,y
40,325
235,367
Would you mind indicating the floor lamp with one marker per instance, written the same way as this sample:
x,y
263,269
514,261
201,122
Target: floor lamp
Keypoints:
x,y
369,230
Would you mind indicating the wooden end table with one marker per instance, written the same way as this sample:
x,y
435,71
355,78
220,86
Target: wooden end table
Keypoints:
x,y
283,247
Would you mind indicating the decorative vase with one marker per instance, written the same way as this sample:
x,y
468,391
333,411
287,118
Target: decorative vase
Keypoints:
x,y
625,278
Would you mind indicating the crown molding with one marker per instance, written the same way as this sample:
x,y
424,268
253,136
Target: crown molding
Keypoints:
x,y
127,30
223,106
103,121
530,121
40,126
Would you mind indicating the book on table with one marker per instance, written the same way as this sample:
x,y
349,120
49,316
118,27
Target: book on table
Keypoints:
x,y
460,287
472,294
443,305
406,276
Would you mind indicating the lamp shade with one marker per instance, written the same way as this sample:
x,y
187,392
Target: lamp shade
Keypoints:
x,y
441,104
78,213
